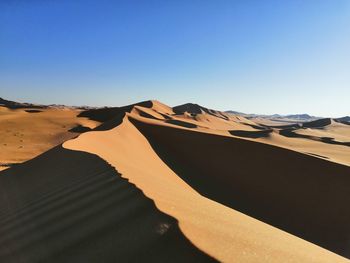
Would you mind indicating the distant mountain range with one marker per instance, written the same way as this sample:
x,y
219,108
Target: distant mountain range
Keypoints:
x,y
300,117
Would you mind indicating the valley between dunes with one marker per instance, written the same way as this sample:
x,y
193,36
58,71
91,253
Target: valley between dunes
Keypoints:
x,y
185,184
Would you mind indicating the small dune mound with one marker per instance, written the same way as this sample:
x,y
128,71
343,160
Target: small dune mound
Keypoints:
x,y
195,109
213,119
318,123
161,108
252,134
112,117
288,126
106,114
150,113
189,108
344,120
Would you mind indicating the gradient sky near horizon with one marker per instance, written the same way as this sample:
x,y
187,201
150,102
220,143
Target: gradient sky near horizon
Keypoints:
x,y
251,56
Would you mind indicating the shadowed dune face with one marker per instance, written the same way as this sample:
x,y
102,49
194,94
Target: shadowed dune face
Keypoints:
x,y
195,109
182,123
300,194
33,111
292,134
188,107
251,134
80,129
257,127
222,232
77,208
324,138
111,117
107,114
146,115
318,123
344,120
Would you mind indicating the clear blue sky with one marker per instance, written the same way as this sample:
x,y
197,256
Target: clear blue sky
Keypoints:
x,y
251,56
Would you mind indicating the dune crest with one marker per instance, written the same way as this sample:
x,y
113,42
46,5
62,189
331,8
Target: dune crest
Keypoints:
x,y
223,233
174,179
83,212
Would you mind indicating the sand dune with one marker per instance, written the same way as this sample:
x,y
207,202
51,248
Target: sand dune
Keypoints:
x,y
240,174
160,184
83,211
325,138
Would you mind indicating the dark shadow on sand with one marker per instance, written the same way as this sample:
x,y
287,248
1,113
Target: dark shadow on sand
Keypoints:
x,y
303,195
146,115
80,129
292,134
317,123
251,134
258,127
71,206
33,111
195,109
317,155
182,123
111,117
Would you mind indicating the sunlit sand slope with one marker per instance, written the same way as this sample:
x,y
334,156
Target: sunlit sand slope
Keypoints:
x,y
161,184
221,232
71,206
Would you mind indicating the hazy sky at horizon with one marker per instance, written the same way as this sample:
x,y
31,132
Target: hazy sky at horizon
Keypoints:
x,y
250,56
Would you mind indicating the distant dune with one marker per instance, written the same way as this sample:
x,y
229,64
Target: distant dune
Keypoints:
x,y
277,118
19,105
186,184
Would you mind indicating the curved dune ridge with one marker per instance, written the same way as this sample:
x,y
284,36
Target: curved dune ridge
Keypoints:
x,y
84,211
184,184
